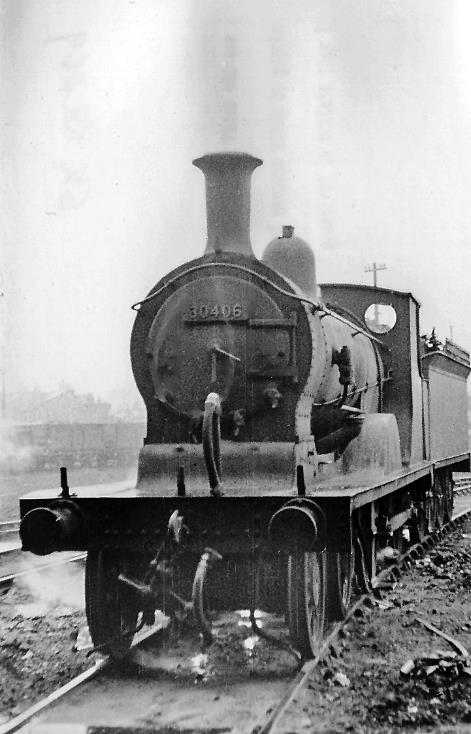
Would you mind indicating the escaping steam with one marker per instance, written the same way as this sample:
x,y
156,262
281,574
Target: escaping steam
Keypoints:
x,y
260,80
59,589
14,457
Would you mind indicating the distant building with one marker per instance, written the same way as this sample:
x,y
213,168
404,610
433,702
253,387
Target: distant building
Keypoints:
x,y
63,406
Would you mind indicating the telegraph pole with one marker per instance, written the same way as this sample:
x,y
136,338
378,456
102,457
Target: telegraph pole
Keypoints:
x,y
374,269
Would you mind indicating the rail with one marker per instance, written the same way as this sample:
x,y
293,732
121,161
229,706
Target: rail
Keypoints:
x,y
19,721
8,528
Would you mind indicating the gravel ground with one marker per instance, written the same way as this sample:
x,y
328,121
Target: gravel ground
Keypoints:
x,y
39,623
360,689
40,620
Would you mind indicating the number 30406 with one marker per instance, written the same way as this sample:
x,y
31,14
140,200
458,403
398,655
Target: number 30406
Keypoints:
x,y
218,311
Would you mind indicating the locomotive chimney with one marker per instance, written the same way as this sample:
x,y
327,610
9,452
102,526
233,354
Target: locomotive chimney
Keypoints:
x,y
228,200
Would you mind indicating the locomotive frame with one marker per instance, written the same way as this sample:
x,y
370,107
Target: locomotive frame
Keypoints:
x,y
287,443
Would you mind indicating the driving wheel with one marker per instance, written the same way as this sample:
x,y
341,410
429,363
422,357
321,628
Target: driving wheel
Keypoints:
x,y
306,601
339,584
112,609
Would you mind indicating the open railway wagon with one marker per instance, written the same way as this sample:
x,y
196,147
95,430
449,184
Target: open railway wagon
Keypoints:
x,y
292,434
39,446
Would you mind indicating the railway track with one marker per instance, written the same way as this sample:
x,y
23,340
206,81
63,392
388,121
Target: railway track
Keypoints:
x,y
98,667
10,526
12,562
381,582
9,535
11,557
273,694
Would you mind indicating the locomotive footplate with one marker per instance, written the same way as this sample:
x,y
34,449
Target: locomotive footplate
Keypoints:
x,y
136,519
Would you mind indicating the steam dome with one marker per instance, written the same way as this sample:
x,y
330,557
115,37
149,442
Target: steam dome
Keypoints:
x,y
291,256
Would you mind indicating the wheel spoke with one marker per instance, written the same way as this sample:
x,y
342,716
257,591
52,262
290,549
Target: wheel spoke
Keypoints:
x,y
339,584
306,600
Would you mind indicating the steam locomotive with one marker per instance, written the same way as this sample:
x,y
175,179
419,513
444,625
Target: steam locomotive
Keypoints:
x,y
294,432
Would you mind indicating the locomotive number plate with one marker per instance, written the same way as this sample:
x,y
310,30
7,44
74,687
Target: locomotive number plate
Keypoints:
x,y
215,312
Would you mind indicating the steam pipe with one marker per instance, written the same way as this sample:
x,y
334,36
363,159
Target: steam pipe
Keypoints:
x,y
228,200
211,436
338,440
207,560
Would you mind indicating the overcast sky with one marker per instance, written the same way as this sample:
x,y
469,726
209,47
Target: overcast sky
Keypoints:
x,y
361,111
